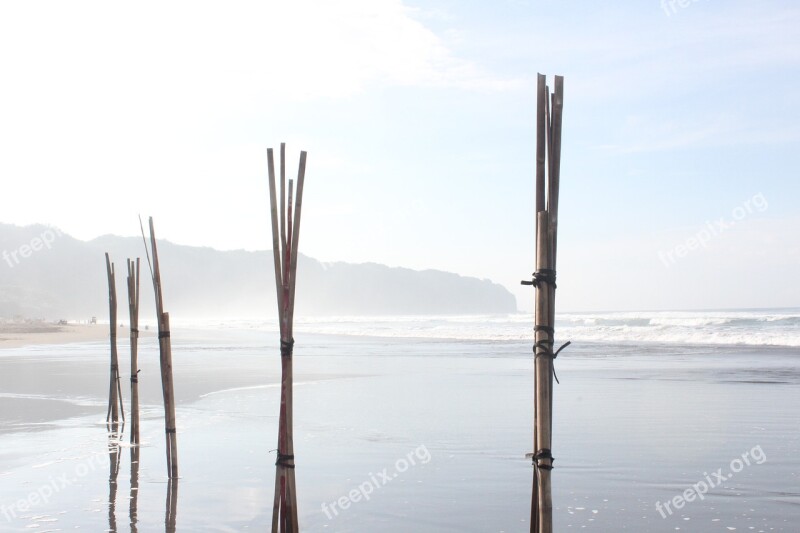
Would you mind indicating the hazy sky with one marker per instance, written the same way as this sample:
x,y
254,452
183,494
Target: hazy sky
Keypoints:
x,y
419,122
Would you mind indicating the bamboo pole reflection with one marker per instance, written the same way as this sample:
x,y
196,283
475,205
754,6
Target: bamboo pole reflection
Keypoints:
x,y
172,506
114,432
134,503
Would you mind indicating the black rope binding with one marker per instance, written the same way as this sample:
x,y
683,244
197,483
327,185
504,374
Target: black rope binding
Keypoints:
x,y
544,453
287,347
285,460
163,334
170,430
544,347
562,347
545,275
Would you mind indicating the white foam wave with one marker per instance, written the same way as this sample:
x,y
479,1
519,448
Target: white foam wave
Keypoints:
x,y
756,328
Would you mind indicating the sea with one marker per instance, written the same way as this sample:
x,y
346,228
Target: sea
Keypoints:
x,y
663,421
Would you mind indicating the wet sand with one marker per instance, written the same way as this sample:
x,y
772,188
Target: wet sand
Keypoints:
x,y
634,425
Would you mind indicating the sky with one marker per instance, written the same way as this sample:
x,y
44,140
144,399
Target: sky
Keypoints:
x,y
680,157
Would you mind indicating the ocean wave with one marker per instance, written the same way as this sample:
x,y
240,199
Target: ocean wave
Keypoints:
x,y
755,328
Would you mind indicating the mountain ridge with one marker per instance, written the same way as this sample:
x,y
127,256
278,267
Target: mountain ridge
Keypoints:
x,y
46,273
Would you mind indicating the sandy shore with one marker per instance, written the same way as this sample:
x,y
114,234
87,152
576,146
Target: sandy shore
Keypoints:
x,y
636,426
25,334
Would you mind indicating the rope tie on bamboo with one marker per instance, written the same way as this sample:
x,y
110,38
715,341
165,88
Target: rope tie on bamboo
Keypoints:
x,y
170,431
285,460
163,334
544,275
544,453
544,347
135,377
287,347
134,330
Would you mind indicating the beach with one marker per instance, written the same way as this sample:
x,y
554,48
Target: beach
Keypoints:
x,y
16,335
412,430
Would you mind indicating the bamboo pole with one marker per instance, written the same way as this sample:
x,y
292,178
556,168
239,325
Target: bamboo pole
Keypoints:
x,y
301,174
285,243
541,142
165,358
548,160
276,255
115,407
169,391
133,308
543,371
554,182
553,189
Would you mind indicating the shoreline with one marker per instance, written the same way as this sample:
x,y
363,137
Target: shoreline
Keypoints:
x,y
21,335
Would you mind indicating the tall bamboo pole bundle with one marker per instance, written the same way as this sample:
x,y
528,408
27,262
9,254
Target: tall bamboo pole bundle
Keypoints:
x,y
548,160
115,407
285,240
165,352
133,308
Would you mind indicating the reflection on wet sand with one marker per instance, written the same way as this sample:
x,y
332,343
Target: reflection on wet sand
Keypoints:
x,y
171,516
132,510
114,433
172,506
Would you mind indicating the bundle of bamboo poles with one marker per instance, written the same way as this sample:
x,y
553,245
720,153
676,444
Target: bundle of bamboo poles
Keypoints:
x,y
115,407
549,109
133,309
165,357
285,239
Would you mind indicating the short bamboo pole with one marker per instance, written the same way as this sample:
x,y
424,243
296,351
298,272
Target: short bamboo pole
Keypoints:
x,y
169,395
165,357
115,407
133,308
